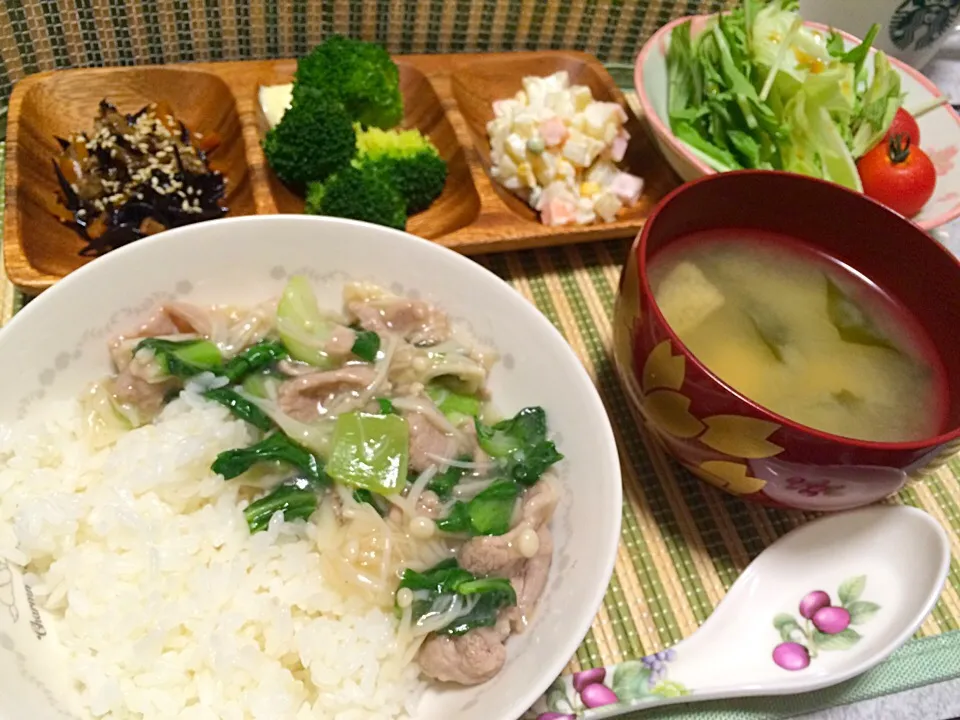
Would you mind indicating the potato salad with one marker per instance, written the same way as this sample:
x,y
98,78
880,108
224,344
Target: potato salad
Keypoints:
x,y
557,147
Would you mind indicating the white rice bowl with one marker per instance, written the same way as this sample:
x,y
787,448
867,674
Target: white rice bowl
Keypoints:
x,y
146,595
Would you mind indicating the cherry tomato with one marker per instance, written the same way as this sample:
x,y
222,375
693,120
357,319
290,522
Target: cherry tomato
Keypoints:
x,y
898,175
905,124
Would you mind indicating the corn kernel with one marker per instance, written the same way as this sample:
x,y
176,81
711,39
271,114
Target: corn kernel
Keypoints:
x,y
589,189
525,173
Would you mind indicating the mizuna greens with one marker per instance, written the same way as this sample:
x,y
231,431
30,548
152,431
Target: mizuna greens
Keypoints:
x,y
757,89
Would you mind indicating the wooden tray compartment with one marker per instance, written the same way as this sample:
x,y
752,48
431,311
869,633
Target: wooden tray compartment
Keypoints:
x,y
476,86
459,204
447,97
38,248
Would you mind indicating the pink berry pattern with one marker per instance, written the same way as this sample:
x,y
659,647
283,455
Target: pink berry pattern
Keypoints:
x,y
626,685
812,602
822,625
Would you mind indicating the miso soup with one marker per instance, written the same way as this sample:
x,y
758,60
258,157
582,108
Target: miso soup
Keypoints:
x,y
801,335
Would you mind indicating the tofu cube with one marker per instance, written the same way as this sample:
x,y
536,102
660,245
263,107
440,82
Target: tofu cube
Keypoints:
x,y
686,298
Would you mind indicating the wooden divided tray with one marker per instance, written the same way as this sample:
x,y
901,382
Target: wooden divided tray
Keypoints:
x,y
447,97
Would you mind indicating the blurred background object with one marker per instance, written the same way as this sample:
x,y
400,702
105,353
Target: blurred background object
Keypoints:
x,y
911,30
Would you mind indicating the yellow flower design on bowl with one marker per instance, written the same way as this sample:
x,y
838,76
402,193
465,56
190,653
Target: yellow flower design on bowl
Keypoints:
x,y
740,437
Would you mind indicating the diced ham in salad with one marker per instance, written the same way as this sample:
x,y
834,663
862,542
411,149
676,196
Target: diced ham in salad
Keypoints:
x,y
557,148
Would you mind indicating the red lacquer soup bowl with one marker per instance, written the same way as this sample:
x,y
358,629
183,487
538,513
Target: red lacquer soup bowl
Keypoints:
x,y
734,443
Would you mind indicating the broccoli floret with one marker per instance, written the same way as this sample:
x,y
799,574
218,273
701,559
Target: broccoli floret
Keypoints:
x,y
359,74
313,140
360,193
409,159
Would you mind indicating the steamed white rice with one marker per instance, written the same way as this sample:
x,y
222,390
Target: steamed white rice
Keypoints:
x,y
167,605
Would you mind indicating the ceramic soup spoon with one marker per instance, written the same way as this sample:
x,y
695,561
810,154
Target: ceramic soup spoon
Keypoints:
x,y
824,603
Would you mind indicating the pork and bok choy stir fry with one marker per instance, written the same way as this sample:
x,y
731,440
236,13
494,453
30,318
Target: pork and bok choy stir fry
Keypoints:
x,y
375,427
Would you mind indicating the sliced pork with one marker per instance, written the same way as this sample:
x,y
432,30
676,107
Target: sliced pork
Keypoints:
x,y
416,321
427,442
147,397
501,555
470,659
139,382
304,397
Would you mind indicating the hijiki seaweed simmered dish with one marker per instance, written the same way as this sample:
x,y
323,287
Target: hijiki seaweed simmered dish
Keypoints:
x,y
135,175
280,511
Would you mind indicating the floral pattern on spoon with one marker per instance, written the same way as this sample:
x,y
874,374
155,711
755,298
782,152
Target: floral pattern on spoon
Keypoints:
x,y
630,682
903,551
823,626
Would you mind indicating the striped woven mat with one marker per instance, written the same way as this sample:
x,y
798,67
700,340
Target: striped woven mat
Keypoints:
x,y
46,34
684,543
